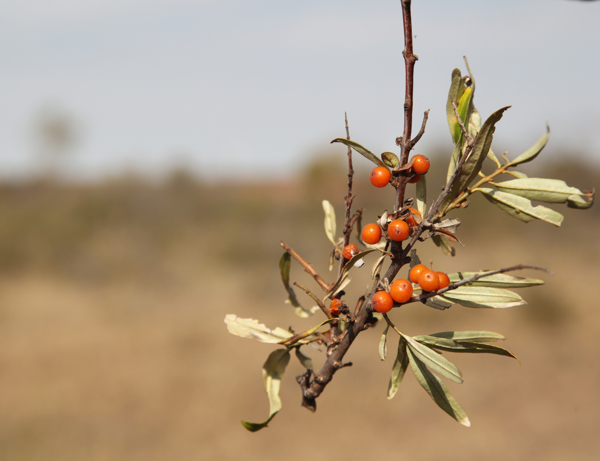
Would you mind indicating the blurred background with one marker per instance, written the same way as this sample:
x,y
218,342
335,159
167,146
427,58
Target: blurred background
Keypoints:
x,y
152,156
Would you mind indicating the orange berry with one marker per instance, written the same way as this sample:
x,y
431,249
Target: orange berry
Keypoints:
x,y
444,280
371,234
334,307
349,251
414,179
401,290
398,230
410,220
416,271
380,176
429,280
382,302
421,164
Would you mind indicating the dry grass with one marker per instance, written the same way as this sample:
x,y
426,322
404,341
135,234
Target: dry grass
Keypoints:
x,y
112,343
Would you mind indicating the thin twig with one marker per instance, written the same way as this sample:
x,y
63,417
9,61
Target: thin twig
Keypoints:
x,y
326,311
419,135
307,267
349,198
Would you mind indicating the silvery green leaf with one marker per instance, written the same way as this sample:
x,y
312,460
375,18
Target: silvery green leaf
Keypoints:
x,y
457,88
437,390
473,336
438,303
361,150
496,280
520,208
455,157
474,296
273,370
304,359
383,344
533,151
422,195
284,268
540,189
463,106
451,345
250,328
578,201
518,174
434,360
398,370
329,220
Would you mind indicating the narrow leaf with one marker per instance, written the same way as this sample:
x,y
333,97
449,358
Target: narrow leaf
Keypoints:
x,y
304,359
443,244
520,207
450,345
457,88
390,159
422,195
289,342
398,370
273,370
473,336
361,150
329,220
250,328
533,151
437,390
495,281
383,344
540,189
284,268
433,360
495,298
582,203
438,303
463,108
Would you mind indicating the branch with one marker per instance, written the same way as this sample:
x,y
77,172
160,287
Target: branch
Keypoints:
x,y
349,198
307,267
325,310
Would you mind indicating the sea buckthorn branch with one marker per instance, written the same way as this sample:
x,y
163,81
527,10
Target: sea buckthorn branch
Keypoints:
x,y
315,299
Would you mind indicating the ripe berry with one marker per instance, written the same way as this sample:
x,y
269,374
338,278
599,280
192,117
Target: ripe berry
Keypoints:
x,y
398,230
382,302
416,271
349,251
414,179
421,164
380,176
410,220
371,234
444,280
334,307
429,280
401,290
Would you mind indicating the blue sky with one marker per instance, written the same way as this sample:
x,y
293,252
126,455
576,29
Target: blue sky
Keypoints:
x,y
256,87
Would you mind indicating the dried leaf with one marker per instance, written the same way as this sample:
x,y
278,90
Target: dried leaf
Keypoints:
x,y
290,342
250,328
437,390
273,370
398,370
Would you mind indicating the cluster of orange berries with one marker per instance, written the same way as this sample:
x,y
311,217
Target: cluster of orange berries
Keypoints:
x,y
401,290
398,230
380,176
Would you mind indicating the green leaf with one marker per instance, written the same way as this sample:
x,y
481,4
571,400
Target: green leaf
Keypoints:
x,y
579,202
329,220
285,264
442,242
349,265
422,195
398,370
533,151
437,390
520,207
438,303
250,328
463,109
540,189
457,88
433,360
457,153
495,281
383,344
474,162
450,345
361,150
473,336
390,159
273,370
495,298
304,359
